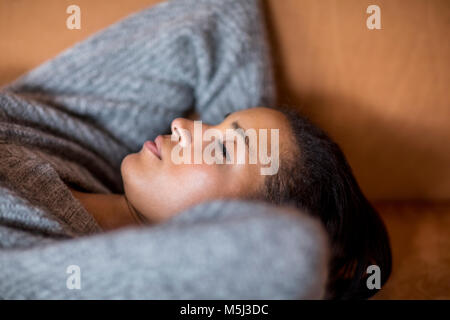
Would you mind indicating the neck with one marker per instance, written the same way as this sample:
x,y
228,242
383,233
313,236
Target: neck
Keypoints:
x,y
111,211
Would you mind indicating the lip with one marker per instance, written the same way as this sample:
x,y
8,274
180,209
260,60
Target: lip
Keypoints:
x,y
154,146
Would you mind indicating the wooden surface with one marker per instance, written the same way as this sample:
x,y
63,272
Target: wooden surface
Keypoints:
x,y
382,94
419,234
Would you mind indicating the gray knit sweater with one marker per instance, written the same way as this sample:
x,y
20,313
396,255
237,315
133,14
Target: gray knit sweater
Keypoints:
x,y
74,118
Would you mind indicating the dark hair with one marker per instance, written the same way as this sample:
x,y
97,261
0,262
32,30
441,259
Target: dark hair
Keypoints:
x,y
318,179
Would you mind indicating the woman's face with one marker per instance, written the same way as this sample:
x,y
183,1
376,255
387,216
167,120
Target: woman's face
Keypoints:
x,y
183,169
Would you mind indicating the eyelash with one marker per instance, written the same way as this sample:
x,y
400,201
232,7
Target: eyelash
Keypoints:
x,y
224,149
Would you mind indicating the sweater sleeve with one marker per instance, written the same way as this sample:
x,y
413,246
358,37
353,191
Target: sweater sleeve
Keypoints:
x,y
133,78
217,250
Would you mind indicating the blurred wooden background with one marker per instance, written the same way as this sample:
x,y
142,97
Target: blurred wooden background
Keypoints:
x,y
383,95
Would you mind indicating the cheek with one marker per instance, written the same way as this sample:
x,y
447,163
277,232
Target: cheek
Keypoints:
x,y
160,191
192,184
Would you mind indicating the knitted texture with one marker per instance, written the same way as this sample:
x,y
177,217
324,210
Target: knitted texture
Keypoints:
x,y
73,119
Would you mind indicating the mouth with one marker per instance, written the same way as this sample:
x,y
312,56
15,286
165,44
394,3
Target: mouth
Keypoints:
x,y
154,146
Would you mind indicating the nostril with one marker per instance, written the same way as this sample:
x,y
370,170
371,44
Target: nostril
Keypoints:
x,y
180,132
176,134
175,130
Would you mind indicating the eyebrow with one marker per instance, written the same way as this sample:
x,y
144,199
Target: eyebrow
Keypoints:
x,y
241,132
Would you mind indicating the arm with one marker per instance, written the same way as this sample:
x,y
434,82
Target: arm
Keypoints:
x,y
218,250
132,79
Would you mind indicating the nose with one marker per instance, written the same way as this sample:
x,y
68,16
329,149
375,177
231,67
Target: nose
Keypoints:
x,y
181,131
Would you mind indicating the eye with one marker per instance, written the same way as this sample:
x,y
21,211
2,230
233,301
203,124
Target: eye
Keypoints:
x,y
224,149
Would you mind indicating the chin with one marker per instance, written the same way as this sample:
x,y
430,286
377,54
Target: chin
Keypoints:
x,y
127,168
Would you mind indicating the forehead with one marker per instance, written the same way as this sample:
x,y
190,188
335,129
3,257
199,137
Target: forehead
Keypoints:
x,y
260,118
265,118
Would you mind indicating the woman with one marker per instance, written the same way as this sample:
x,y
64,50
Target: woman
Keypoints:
x,y
158,188
81,121
314,176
